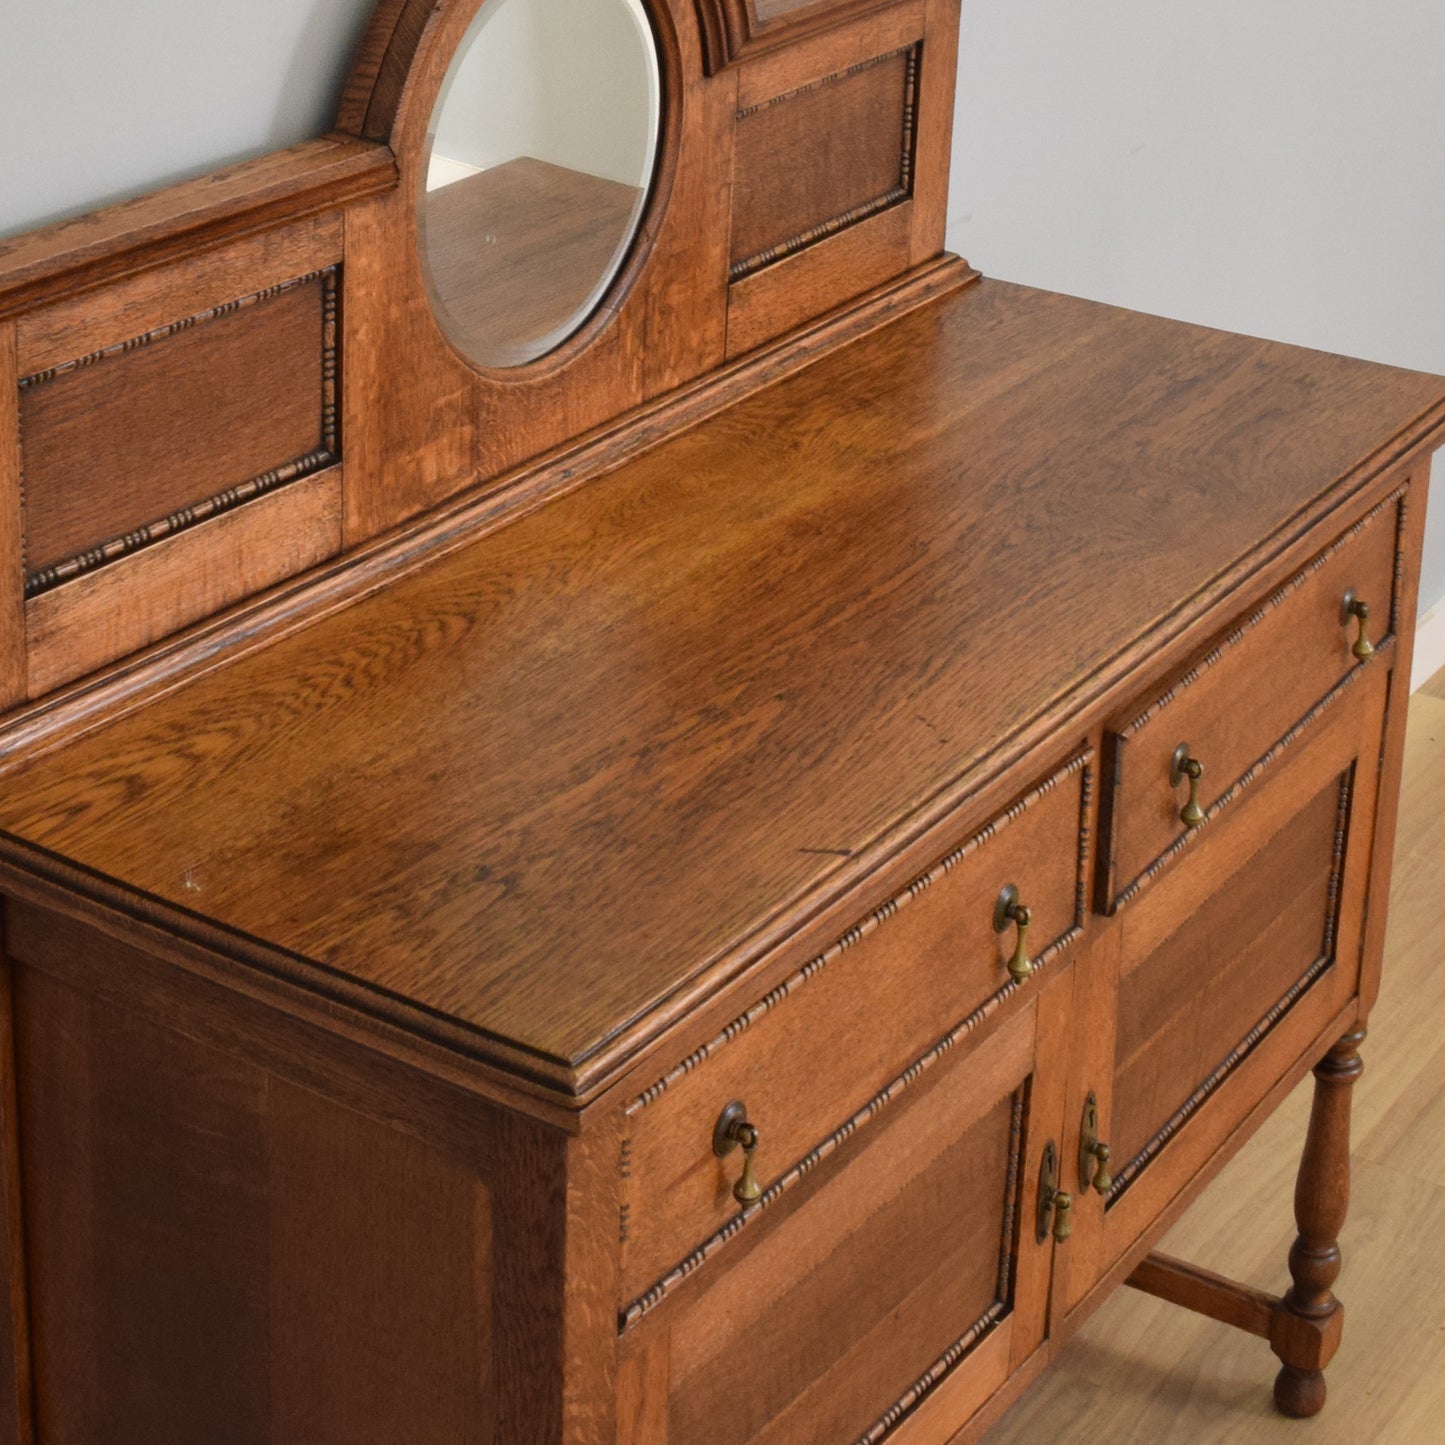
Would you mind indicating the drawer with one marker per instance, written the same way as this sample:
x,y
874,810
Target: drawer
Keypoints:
x,y
1239,706
915,1259
817,1057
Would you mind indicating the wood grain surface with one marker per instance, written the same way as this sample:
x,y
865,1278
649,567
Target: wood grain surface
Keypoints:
x,y
1192,999
58,261
802,1060
1235,703
902,1251
540,786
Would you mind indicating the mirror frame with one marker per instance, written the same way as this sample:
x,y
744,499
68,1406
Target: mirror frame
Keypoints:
x,y
601,290
393,94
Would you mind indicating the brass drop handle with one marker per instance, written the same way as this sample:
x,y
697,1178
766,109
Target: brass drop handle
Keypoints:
x,y
1063,1216
1182,766
731,1131
1352,607
1103,1181
1055,1206
1006,910
1093,1152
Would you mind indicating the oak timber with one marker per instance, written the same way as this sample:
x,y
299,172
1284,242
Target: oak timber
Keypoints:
x,y
721,622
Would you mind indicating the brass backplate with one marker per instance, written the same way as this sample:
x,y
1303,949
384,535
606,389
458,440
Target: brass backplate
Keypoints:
x,y
724,1140
1048,1187
1088,1137
1003,908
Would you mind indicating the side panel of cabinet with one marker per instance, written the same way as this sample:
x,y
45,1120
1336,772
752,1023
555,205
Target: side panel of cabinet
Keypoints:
x,y
232,1228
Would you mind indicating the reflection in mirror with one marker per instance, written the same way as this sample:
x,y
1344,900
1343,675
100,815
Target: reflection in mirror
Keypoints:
x,y
542,147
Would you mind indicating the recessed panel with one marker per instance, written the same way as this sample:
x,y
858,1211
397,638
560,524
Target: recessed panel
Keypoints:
x,y
1196,1005
878,1279
143,439
820,158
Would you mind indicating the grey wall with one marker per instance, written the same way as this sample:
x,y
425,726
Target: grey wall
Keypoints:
x,y
573,82
1277,168
103,99
1270,166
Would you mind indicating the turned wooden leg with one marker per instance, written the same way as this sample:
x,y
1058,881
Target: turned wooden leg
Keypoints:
x,y
1305,1329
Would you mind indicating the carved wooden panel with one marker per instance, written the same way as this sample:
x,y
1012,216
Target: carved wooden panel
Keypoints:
x,y
1194,1007
815,160
189,574
882,1272
148,436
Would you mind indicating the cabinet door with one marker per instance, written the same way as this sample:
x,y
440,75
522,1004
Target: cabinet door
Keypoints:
x,y
901,1279
1212,983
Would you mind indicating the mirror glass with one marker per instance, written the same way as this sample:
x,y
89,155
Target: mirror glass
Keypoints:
x,y
542,147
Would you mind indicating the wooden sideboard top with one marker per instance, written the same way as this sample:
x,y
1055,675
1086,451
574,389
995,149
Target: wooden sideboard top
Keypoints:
x,y
549,781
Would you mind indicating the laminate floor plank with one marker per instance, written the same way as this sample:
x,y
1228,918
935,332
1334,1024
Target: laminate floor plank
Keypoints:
x,y
1435,687
1142,1370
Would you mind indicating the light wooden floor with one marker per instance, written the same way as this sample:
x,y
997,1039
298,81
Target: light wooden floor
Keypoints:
x,y
1141,1370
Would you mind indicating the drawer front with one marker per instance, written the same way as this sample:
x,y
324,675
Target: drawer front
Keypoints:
x,y
1252,691
914,1260
821,1054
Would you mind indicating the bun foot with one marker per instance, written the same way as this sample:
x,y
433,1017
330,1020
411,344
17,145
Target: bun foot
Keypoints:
x,y
1299,1393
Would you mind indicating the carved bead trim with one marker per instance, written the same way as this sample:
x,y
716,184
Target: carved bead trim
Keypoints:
x,y
1081,887
1249,776
823,82
885,911
1399,581
1237,634
910,119
891,197
330,351
171,328
625,1173
1337,864
1246,1046
750,264
654,1296
1005,1287
178,521
935,1372
327,455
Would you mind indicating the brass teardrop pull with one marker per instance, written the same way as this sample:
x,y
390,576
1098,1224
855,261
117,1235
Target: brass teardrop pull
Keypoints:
x,y
1006,910
1182,766
1093,1152
1063,1216
1055,1205
732,1131
1352,608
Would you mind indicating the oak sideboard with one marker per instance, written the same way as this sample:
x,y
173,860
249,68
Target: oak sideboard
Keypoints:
x,y
634,808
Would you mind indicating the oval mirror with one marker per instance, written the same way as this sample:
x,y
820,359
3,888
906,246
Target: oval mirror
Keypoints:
x,y
541,150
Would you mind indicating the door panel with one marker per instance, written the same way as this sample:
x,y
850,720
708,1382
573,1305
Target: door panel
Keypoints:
x,y
1215,980
907,1260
